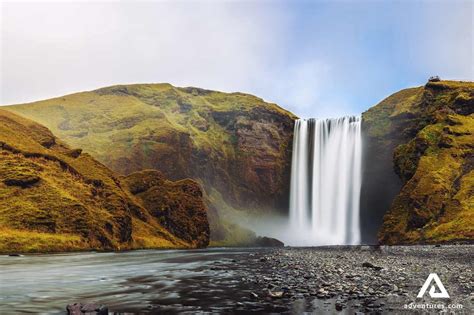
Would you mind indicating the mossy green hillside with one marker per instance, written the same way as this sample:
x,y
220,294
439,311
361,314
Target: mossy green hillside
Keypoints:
x,y
429,130
233,142
53,198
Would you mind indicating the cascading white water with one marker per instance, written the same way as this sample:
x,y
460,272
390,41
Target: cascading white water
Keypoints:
x,y
326,182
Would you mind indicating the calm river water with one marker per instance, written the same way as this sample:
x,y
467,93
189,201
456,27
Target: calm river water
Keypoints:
x,y
137,281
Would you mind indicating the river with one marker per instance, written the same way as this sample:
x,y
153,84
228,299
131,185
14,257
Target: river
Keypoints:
x,y
136,281
316,280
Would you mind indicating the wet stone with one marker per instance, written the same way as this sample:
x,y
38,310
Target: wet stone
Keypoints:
x,y
87,309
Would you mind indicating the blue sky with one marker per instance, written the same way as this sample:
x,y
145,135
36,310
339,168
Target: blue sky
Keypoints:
x,y
315,58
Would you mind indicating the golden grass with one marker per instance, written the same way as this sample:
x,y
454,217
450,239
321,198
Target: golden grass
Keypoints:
x,y
151,235
45,191
24,241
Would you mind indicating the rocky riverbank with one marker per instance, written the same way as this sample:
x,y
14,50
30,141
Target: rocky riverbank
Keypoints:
x,y
361,279
334,280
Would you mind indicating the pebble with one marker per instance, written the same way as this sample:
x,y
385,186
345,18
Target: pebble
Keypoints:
x,y
276,294
253,295
337,275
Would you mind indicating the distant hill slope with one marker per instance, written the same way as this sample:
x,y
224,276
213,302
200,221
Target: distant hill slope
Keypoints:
x,y
425,136
53,198
236,145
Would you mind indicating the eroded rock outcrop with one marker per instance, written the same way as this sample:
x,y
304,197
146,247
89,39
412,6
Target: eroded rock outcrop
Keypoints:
x,y
178,206
425,136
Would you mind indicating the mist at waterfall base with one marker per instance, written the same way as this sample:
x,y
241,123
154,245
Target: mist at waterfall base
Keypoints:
x,y
325,182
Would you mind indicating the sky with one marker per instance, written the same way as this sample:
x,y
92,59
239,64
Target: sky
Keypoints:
x,y
315,58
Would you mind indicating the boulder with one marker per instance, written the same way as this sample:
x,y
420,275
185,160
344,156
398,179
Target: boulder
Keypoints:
x,y
264,241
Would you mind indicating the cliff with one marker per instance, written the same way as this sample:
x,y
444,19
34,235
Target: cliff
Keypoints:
x,y
54,198
236,145
178,205
424,136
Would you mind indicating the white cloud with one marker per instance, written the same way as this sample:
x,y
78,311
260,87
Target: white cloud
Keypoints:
x,y
52,49
318,59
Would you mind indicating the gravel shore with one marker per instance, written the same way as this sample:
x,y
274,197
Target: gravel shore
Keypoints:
x,y
361,279
318,280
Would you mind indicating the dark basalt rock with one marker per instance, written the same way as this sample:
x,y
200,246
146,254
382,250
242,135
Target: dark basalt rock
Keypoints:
x,y
370,265
75,153
264,241
87,309
22,181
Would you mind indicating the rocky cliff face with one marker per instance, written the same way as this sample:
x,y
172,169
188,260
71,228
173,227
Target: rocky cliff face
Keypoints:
x,y
236,145
53,198
179,206
424,136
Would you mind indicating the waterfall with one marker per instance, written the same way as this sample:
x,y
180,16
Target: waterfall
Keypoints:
x,y
326,182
